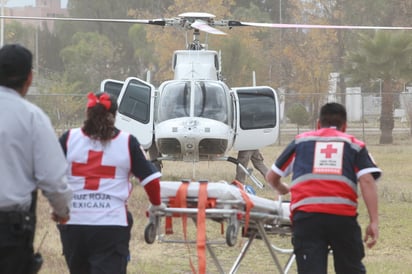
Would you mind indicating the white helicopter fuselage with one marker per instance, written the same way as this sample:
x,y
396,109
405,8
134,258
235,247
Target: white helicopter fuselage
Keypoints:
x,y
195,64
196,116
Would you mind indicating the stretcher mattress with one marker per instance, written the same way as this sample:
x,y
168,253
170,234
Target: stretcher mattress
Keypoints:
x,y
230,196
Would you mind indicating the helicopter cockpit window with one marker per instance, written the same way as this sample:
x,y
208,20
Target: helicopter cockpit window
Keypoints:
x,y
252,117
175,101
209,101
135,102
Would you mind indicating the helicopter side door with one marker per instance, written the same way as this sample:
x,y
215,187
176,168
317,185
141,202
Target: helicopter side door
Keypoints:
x,y
257,117
135,107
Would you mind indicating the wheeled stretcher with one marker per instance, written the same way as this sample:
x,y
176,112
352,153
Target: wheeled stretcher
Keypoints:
x,y
245,214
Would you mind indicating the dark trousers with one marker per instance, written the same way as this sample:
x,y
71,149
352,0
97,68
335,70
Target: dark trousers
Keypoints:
x,y
16,252
95,249
316,234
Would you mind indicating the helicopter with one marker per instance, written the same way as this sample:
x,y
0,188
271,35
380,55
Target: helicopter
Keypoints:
x,y
195,116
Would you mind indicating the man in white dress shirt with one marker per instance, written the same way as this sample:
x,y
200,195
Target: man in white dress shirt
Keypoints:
x,y
30,159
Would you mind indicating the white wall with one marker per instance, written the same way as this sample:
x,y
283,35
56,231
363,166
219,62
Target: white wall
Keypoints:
x,y
354,104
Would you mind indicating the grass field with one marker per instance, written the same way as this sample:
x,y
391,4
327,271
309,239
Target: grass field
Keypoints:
x,y
391,255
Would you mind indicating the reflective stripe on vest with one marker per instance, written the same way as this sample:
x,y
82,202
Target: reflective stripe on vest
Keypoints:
x,y
355,146
324,177
323,200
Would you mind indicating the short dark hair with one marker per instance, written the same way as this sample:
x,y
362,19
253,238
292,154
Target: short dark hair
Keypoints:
x,y
332,115
15,65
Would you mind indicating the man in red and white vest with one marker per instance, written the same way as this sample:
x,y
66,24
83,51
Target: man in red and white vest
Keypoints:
x,y
328,165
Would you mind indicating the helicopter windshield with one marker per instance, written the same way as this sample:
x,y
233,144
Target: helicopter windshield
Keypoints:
x,y
209,101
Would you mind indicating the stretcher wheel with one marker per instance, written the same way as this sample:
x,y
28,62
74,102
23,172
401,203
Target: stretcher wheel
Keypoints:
x,y
231,235
150,233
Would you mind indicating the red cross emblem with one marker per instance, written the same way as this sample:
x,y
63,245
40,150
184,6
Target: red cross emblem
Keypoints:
x,y
93,170
329,150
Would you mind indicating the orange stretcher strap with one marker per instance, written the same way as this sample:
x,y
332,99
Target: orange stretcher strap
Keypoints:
x,y
169,225
181,202
201,227
248,201
181,196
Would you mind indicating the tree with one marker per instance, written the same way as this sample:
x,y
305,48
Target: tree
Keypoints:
x,y
298,115
88,60
262,47
60,99
245,43
16,32
49,55
385,56
310,52
125,65
143,50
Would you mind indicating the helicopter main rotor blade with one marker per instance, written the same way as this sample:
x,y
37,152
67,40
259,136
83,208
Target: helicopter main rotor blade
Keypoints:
x,y
159,22
204,22
232,23
204,26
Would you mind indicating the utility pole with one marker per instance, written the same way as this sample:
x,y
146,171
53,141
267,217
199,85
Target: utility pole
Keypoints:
x,y
2,24
279,64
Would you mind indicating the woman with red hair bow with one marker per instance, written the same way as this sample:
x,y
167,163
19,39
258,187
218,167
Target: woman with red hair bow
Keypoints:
x,y
101,158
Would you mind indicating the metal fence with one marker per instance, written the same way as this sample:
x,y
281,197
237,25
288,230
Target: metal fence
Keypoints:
x,y
65,111
68,110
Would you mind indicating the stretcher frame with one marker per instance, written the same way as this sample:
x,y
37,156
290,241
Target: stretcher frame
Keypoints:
x,y
260,225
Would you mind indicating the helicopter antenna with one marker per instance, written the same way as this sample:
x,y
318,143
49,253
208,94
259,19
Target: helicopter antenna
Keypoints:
x,y
205,45
187,43
219,72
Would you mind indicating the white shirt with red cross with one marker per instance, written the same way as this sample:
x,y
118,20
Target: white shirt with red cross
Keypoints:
x,y
99,177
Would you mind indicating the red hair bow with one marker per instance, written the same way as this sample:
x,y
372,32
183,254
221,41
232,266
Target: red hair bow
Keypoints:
x,y
104,100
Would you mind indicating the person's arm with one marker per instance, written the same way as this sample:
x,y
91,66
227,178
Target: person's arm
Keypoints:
x,y
63,141
145,171
282,168
274,181
50,166
153,192
370,196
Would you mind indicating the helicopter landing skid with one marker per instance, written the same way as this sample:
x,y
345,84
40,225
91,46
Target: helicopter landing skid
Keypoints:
x,y
248,172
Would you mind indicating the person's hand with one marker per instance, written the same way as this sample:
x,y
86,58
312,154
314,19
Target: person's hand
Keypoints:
x,y
371,235
59,219
156,208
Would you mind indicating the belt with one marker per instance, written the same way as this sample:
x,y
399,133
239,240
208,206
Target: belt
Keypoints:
x,y
14,217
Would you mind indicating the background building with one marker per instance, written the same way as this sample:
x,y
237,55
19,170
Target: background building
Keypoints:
x,y
41,8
